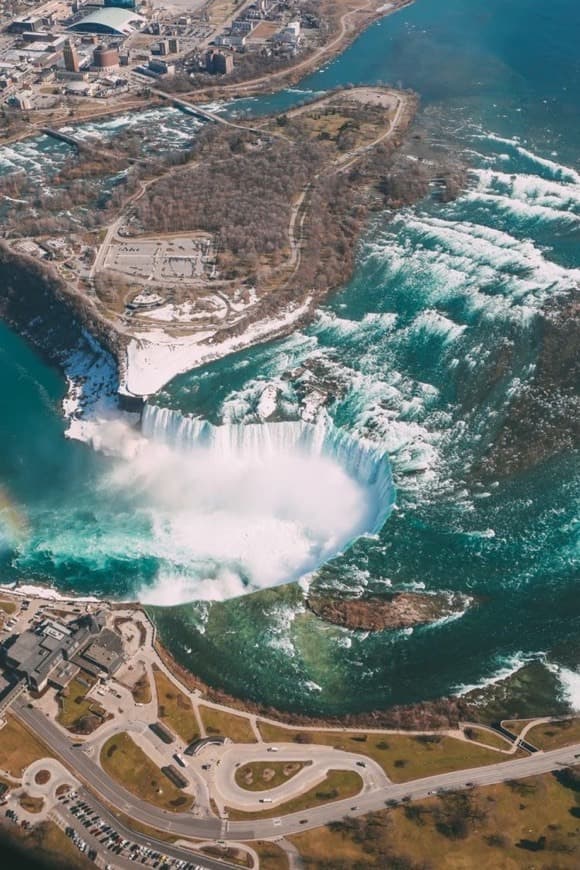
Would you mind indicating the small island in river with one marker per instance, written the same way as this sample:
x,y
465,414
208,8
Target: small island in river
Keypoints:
x,y
397,610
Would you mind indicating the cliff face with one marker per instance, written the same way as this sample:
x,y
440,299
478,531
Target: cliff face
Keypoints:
x,y
40,307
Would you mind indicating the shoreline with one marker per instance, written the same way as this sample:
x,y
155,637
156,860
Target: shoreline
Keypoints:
x,y
283,78
290,76
146,361
438,714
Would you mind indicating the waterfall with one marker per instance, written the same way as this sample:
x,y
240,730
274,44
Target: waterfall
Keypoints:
x,y
364,462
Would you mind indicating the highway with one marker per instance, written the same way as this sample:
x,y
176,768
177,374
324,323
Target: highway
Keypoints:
x,y
372,799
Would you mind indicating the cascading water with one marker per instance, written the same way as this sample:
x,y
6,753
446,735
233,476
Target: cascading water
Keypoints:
x,y
261,504
363,462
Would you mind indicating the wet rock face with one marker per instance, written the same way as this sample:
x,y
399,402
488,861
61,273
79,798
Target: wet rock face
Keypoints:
x,y
37,304
544,418
396,611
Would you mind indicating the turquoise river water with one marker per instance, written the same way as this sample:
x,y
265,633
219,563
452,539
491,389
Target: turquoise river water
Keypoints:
x,y
379,495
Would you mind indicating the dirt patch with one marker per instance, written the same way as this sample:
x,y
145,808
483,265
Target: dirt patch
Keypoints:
x,y
42,777
31,804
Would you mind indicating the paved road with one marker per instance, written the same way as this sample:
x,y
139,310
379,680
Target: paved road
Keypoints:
x,y
322,760
187,826
90,773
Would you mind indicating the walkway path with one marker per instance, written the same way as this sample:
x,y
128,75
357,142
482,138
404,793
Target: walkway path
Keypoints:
x,y
368,801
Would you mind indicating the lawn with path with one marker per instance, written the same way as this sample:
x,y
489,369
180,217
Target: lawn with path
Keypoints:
x,y
339,784
402,756
128,765
237,728
175,708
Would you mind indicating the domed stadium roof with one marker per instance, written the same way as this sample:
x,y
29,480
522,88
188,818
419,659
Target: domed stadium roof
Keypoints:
x,y
120,22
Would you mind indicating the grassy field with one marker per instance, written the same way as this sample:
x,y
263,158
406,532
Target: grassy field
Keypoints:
x,y
133,825
219,10
260,775
239,857
530,824
41,777
340,125
402,757
18,748
9,607
482,735
552,735
272,857
51,845
338,784
175,707
126,762
516,726
78,713
237,728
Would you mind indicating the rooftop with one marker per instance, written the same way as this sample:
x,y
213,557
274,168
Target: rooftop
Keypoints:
x,y
112,20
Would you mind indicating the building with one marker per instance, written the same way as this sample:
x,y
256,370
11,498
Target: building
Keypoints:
x,y
114,21
105,58
293,28
43,655
22,101
161,67
71,58
218,63
173,46
177,778
105,653
162,732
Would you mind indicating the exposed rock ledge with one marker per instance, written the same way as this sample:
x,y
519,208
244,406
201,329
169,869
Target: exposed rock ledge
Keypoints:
x,y
395,611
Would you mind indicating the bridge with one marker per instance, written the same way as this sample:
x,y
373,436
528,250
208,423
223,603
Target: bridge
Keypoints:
x,y
206,115
84,146
79,144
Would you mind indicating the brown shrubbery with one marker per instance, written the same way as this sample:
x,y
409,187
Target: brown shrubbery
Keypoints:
x,y
239,189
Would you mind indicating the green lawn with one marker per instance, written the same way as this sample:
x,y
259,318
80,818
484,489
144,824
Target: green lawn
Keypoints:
x,y
552,735
272,857
531,824
339,784
126,763
141,691
482,735
78,713
402,756
175,707
19,748
237,728
261,775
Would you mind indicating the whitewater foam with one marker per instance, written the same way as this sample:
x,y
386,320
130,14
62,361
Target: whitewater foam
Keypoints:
x,y
556,170
240,507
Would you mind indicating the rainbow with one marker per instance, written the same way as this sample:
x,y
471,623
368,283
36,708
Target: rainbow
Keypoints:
x,y
13,523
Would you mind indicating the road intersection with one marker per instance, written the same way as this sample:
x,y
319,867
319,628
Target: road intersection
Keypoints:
x,y
373,797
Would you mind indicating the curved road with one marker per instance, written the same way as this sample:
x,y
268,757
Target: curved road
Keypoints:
x,y
323,760
184,825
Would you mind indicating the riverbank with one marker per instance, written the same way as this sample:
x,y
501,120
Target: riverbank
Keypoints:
x,y
310,253
348,27
441,714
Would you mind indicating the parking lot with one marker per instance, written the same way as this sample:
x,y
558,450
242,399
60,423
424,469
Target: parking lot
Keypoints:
x,y
168,260
100,840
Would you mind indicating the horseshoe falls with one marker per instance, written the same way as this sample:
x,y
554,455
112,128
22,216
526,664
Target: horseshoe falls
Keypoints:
x,y
385,411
